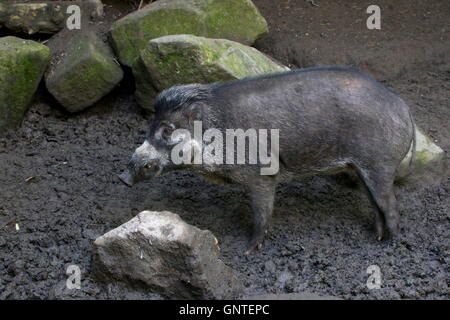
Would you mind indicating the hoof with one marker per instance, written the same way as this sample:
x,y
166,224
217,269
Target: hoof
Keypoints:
x,y
253,248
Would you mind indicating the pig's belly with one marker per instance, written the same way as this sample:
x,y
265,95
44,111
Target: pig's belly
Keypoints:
x,y
298,172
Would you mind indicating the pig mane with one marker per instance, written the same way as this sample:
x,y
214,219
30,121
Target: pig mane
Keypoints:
x,y
179,97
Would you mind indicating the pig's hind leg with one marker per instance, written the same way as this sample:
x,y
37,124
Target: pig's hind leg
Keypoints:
x,y
262,196
380,187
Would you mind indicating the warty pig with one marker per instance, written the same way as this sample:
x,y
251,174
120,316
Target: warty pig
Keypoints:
x,y
329,119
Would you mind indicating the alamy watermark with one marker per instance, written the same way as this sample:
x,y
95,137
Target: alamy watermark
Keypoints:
x,y
208,147
74,279
374,280
374,20
73,22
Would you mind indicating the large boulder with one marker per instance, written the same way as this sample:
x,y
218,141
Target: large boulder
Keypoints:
x,y
45,16
22,64
428,161
183,59
160,252
237,20
82,71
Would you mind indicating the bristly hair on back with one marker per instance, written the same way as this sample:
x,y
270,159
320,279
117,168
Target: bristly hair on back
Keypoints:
x,y
175,98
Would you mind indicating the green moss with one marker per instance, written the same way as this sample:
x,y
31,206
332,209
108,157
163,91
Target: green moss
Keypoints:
x,y
427,156
88,68
132,34
22,64
237,20
147,91
233,19
183,59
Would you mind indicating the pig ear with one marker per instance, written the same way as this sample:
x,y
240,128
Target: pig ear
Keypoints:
x,y
194,112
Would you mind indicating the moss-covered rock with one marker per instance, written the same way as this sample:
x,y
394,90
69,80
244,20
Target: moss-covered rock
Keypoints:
x,y
22,64
183,59
429,159
237,20
83,72
45,16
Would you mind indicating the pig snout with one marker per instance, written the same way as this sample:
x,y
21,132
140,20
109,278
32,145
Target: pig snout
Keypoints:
x,y
127,178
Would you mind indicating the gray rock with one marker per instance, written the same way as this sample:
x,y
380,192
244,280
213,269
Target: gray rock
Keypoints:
x,y
237,20
22,64
429,162
83,71
184,59
45,16
160,252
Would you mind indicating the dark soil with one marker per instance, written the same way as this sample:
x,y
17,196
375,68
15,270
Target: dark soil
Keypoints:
x,y
58,180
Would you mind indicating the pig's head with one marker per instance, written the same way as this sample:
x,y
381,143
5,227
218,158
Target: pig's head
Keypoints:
x,y
175,108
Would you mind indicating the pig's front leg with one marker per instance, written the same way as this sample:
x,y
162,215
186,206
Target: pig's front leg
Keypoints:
x,y
262,196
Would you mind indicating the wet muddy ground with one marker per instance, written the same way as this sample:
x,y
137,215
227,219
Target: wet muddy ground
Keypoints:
x,y
58,183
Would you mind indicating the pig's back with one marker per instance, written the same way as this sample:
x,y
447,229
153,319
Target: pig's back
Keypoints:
x,y
324,115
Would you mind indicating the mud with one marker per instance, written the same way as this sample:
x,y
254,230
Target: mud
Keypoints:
x,y
58,182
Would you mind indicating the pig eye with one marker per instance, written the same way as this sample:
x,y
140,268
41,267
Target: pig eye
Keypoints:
x,y
167,133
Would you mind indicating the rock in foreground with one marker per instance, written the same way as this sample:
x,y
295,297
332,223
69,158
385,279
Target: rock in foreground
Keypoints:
x,y
83,72
22,64
161,252
184,59
237,20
